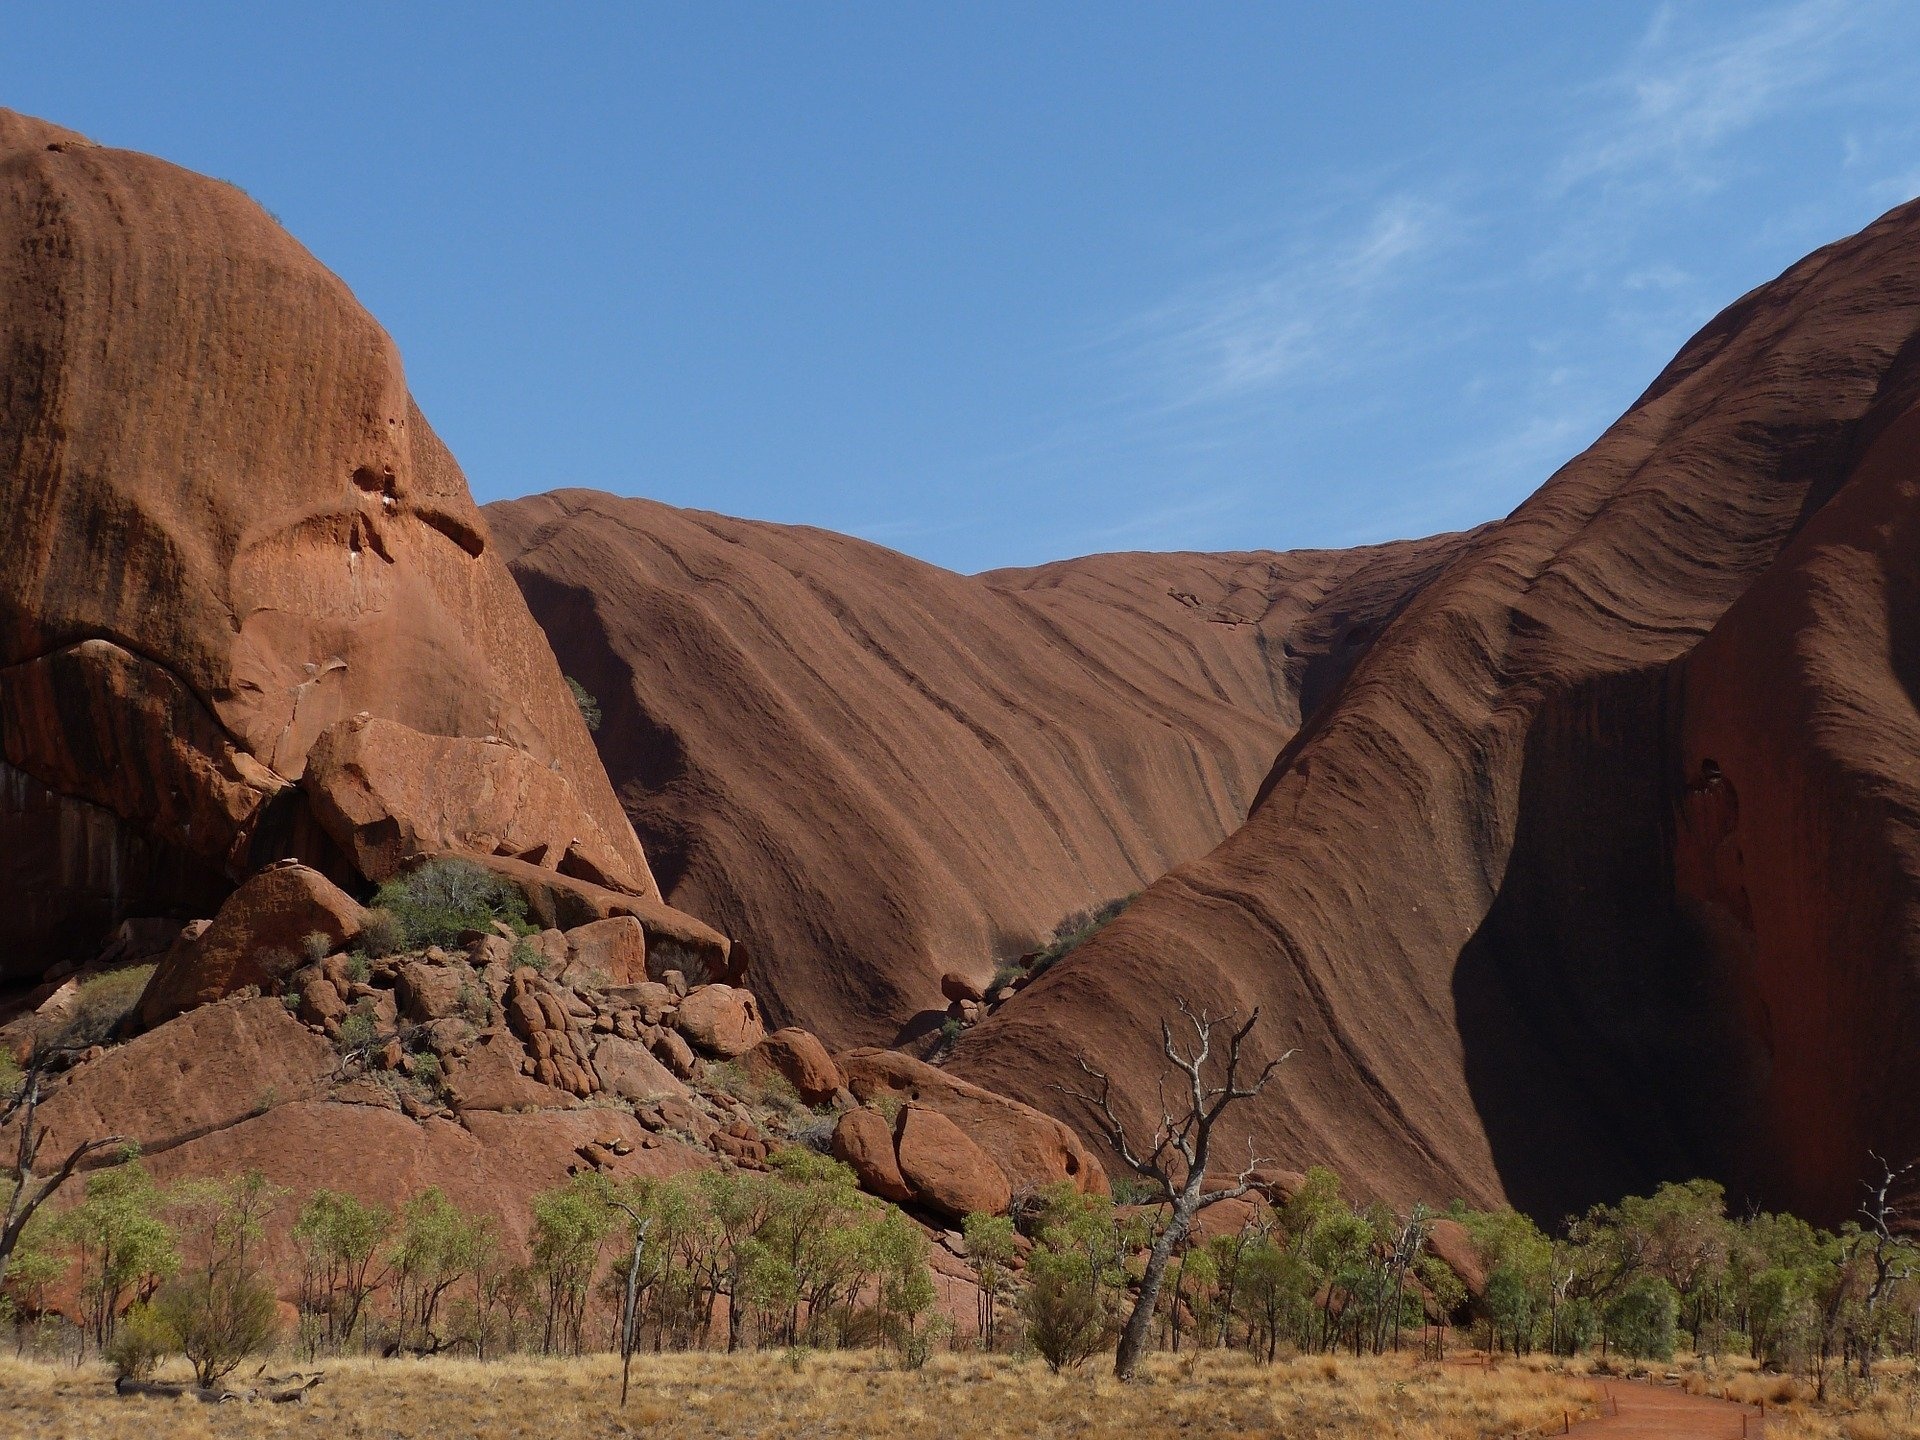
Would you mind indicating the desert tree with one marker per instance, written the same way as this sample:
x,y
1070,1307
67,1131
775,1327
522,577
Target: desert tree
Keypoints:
x,y
219,1309
21,1092
1210,1073
637,1207
1888,1255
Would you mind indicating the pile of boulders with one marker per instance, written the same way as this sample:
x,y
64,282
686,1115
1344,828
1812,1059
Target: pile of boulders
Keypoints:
x,y
925,1138
970,1001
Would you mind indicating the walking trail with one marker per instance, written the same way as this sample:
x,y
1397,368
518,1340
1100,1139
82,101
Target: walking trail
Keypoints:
x,y
1636,1411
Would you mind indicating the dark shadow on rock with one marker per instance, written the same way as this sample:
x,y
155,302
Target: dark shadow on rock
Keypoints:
x,y
1596,1022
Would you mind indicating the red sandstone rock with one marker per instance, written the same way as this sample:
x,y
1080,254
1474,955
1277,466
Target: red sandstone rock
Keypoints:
x,y
318,556
676,1054
863,1140
609,952
256,939
387,793
211,1067
627,1070
1595,870
963,760
720,1020
675,940
1032,1149
958,988
800,1058
434,992
946,1171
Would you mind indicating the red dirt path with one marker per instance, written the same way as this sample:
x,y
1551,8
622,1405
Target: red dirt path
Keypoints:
x,y
1654,1412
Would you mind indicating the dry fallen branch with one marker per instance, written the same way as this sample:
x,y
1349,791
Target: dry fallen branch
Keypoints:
x,y
292,1390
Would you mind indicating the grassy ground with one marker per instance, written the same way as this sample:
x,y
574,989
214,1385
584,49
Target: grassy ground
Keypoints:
x,y
1886,1409
848,1394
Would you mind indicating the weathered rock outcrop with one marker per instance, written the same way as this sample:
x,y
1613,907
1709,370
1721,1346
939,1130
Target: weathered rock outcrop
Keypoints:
x,y
229,531
1603,866
1030,1148
868,770
257,939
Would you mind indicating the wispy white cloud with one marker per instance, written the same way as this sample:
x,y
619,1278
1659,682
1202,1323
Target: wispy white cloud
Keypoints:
x,y
1422,352
1666,115
1248,331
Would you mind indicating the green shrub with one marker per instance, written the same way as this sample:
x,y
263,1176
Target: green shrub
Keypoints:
x,y
359,967
316,947
358,1030
1066,1319
1074,931
445,897
589,707
1642,1319
381,933
219,1318
141,1341
526,953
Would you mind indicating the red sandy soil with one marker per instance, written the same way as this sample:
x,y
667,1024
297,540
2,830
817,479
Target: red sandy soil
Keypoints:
x,y
1637,1411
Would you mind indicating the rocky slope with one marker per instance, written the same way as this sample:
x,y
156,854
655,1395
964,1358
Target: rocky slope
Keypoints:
x,y
259,655
1601,868
247,607
868,770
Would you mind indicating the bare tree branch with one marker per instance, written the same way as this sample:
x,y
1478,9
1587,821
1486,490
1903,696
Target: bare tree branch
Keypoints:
x,y
1179,1153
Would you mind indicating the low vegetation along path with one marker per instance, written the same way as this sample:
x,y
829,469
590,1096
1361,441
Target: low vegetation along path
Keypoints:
x,y
1636,1411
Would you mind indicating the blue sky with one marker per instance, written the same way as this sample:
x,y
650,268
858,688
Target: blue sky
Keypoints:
x,y
998,284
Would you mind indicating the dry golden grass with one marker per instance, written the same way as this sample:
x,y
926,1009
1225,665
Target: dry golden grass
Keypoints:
x,y
848,1394
1889,1409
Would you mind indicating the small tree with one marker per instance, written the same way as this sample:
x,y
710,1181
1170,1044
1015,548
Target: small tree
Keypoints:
x,y
990,1246
339,1239
124,1247
1175,1159
1643,1318
218,1309
439,1245
20,1094
571,1223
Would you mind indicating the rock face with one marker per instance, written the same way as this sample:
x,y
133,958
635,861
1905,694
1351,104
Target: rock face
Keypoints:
x,y
256,939
230,531
720,1020
946,1171
1029,1148
798,1057
863,1140
868,770
1602,867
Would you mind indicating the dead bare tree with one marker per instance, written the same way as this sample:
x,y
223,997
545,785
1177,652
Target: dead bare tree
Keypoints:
x,y
1891,1256
1176,1158
630,1296
31,1191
